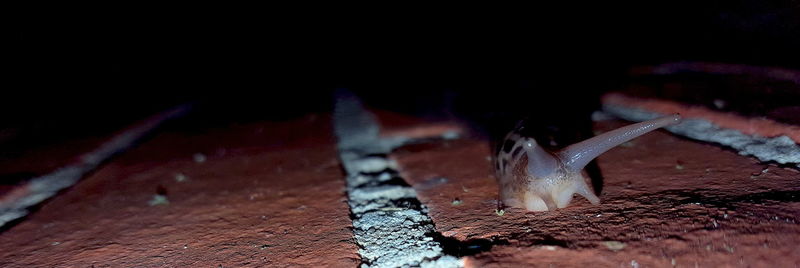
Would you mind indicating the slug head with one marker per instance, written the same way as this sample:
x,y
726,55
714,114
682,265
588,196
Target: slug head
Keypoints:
x,y
539,180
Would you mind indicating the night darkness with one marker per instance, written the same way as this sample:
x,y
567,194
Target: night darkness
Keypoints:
x,y
75,75
206,135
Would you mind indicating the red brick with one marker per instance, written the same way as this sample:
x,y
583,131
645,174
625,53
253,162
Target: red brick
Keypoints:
x,y
269,194
664,197
748,125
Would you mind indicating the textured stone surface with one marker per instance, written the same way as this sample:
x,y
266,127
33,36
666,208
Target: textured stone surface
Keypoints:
x,y
29,163
390,226
264,194
758,126
272,194
393,125
765,139
755,92
15,203
665,201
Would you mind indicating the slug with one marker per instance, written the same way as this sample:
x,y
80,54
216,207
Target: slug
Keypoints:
x,y
532,178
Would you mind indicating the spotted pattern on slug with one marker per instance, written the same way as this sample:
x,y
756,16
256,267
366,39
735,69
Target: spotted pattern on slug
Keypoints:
x,y
537,180
510,167
509,153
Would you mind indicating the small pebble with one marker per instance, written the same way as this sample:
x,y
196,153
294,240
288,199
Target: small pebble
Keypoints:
x,y
158,200
199,158
499,212
614,245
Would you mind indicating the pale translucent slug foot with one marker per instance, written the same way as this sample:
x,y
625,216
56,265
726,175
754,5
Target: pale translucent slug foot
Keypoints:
x,y
537,180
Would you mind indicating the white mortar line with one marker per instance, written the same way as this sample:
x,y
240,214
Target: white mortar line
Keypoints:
x,y
389,231
38,189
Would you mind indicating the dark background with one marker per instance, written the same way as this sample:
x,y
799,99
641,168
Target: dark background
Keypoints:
x,y
87,73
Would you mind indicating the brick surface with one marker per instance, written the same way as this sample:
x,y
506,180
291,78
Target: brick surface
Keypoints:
x,y
410,127
266,194
665,201
272,194
760,126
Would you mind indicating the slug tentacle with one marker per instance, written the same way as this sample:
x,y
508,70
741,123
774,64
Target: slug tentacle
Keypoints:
x,y
587,193
539,180
540,162
576,156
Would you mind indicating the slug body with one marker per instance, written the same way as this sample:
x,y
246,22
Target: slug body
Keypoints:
x,y
532,178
